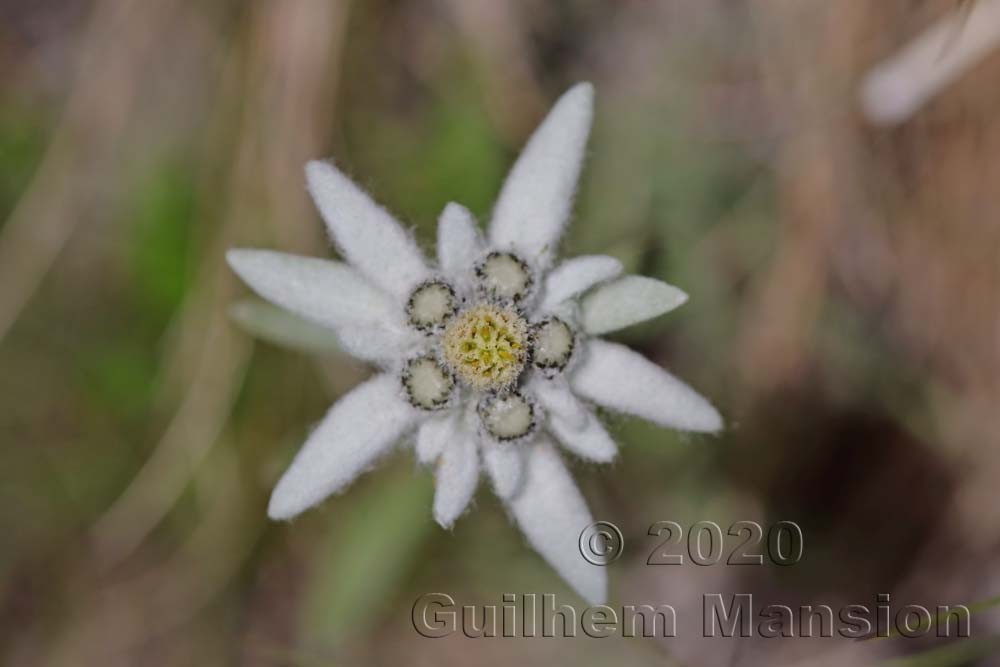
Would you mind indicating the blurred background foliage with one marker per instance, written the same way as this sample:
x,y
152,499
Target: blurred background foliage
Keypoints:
x,y
844,283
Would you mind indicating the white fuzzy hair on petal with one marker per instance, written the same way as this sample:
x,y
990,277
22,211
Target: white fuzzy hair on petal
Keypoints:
x,y
358,429
551,513
627,301
618,378
367,235
456,479
459,242
366,319
536,199
504,465
557,399
575,276
324,291
433,436
379,346
591,441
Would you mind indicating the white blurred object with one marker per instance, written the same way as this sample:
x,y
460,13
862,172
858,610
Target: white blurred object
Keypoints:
x,y
896,88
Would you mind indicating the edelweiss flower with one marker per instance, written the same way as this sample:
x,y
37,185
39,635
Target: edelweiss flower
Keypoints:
x,y
488,356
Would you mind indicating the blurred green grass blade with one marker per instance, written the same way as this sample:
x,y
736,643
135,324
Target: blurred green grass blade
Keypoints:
x,y
22,144
984,605
371,547
119,376
276,325
161,238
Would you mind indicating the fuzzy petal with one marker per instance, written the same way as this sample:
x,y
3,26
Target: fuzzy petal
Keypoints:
x,y
536,198
591,442
434,435
558,400
383,346
551,512
324,291
328,293
346,443
575,276
459,242
618,378
457,477
367,235
276,325
627,301
505,466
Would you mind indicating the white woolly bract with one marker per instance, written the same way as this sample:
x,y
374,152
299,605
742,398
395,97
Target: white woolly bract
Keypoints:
x,y
552,513
358,429
627,301
590,441
575,276
433,436
618,378
504,466
536,198
328,293
557,399
456,478
266,321
382,346
459,242
366,234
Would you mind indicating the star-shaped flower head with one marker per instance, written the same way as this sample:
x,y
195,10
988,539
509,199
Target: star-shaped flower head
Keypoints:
x,y
488,357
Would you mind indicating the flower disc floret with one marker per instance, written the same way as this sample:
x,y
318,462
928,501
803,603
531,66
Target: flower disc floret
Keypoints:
x,y
428,385
430,306
504,276
554,345
486,347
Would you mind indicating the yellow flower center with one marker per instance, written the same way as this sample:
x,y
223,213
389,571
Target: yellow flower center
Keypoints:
x,y
486,347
